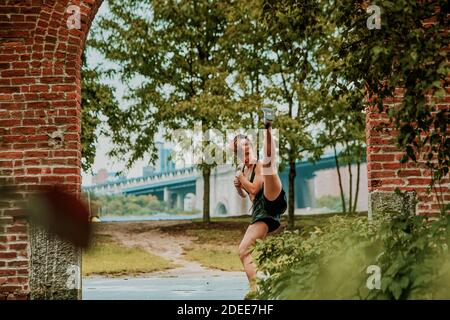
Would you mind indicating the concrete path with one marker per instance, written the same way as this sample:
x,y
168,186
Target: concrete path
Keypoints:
x,y
228,285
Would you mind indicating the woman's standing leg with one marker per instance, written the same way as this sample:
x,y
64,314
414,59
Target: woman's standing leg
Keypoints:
x,y
257,230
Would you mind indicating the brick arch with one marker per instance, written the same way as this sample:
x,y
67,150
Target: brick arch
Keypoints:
x,y
40,94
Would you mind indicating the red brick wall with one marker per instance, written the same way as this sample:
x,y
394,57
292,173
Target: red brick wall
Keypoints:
x,y
40,60
386,173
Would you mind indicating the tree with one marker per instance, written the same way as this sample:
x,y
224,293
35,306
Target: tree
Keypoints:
x,y
409,51
97,102
339,109
247,63
341,128
294,32
176,50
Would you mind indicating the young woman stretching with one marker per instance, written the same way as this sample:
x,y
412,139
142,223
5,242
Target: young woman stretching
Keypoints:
x,y
263,185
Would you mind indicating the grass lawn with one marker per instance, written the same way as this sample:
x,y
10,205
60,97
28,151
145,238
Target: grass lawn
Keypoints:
x,y
106,257
223,258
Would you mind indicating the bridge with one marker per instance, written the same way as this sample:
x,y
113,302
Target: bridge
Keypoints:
x,y
171,186
183,188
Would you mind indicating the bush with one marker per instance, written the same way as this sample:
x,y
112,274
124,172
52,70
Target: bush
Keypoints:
x,y
333,203
331,262
131,205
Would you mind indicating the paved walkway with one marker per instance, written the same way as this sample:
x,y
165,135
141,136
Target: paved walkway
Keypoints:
x,y
228,285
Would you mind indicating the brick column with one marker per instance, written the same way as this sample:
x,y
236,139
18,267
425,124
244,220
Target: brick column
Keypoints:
x,y
40,95
385,173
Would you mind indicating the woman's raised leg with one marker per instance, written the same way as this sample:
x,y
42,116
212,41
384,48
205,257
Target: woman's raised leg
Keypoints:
x,y
272,182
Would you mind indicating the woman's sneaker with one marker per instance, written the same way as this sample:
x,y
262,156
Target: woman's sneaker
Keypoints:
x,y
268,117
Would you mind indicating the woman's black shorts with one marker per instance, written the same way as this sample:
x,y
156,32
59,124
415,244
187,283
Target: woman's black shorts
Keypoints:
x,y
269,211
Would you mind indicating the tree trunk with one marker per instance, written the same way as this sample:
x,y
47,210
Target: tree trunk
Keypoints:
x,y
206,188
350,186
206,171
291,196
340,180
357,185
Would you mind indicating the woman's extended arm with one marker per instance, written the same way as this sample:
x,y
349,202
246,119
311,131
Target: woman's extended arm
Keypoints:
x,y
256,185
238,186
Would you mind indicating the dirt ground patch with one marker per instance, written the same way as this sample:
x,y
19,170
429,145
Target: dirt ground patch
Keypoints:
x,y
172,239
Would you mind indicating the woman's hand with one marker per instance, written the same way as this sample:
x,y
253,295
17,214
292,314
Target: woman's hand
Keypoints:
x,y
238,186
237,183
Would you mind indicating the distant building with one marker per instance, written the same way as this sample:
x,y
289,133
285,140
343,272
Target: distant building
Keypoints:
x,y
148,171
163,164
103,176
100,177
166,165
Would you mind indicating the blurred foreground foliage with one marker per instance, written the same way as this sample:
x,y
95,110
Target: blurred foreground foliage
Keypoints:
x,y
332,261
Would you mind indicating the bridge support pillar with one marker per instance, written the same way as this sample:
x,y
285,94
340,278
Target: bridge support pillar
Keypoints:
x,y
180,200
167,195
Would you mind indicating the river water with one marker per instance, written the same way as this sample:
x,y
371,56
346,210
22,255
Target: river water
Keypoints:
x,y
151,217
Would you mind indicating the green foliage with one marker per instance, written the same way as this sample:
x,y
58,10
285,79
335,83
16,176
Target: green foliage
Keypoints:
x,y
98,107
294,33
415,257
317,265
331,262
175,49
178,51
331,202
407,52
123,205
